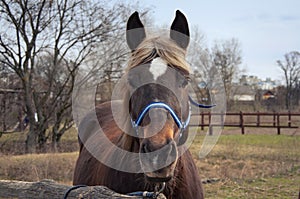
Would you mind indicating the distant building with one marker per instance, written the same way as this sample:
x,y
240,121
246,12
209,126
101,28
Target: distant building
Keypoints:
x,y
257,83
267,84
253,88
243,93
249,80
268,95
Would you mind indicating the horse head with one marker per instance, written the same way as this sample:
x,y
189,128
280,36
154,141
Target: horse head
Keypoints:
x,y
158,103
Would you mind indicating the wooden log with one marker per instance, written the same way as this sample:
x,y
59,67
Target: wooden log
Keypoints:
x,y
49,189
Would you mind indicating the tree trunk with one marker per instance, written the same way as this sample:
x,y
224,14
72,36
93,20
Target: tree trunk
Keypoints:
x,y
288,99
54,134
42,139
54,145
31,141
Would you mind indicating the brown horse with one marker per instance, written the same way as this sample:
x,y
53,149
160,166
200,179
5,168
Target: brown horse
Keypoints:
x,y
150,124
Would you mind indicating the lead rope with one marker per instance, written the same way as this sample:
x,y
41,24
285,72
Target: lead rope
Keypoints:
x,y
147,194
71,189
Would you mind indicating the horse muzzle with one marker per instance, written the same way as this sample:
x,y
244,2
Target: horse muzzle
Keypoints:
x,y
158,164
162,175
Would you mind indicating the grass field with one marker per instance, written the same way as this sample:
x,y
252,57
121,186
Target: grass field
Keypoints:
x,y
252,166
245,166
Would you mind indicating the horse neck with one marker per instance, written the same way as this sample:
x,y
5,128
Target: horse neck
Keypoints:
x,y
186,178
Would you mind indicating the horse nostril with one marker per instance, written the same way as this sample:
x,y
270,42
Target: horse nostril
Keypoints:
x,y
168,149
169,141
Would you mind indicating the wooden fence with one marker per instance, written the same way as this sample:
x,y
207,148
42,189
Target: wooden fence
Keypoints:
x,y
245,120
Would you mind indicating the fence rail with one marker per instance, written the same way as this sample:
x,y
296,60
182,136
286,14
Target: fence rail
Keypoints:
x,y
244,120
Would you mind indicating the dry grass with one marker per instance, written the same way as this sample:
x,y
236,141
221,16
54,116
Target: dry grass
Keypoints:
x,y
35,167
252,166
14,143
249,166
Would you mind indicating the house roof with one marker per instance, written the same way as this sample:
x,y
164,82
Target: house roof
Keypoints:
x,y
268,93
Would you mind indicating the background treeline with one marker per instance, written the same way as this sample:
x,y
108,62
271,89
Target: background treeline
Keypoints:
x,y
45,44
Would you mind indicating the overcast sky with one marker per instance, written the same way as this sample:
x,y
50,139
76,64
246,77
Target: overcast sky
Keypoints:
x,y
266,29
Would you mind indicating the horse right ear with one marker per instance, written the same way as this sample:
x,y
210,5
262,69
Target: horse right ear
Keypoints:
x,y
180,30
135,31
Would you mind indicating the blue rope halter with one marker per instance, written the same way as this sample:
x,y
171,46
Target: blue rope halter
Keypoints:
x,y
181,125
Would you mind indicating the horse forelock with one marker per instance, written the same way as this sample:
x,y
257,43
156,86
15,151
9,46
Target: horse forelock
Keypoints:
x,y
162,47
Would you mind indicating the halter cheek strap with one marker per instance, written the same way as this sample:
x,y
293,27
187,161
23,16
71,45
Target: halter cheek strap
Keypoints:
x,y
200,105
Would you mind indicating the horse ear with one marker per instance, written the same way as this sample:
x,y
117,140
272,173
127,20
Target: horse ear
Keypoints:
x,y
180,30
135,31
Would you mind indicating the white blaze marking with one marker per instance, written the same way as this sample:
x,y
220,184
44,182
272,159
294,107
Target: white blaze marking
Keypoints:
x,y
158,67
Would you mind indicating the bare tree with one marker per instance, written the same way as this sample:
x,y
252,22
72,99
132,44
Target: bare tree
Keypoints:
x,y
200,60
44,43
290,67
196,51
226,57
217,67
10,101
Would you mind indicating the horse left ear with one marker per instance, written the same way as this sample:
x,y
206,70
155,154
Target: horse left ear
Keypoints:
x,y
180,30
135,31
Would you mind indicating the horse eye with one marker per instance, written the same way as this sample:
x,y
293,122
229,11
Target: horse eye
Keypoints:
x,y
184,82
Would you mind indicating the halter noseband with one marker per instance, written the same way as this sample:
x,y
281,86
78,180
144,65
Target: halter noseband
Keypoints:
x,y
181,125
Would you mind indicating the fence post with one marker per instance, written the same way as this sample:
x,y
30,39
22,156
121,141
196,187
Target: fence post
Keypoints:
x,y
202,120
242,123
258,119
274,119
210,130
278,124
289,119
222,119
209,122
